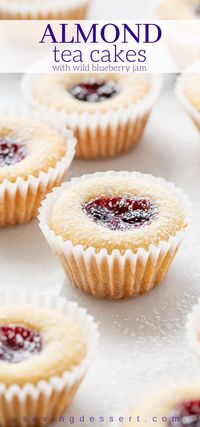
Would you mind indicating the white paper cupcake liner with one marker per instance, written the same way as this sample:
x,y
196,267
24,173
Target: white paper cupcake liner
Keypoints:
x,y
113,275
193,329
180,92
47,399
48,9
19,201
104,134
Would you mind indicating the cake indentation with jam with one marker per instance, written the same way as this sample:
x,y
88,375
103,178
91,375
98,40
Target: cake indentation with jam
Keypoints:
x,y
121,213
94,91
11,152
18,343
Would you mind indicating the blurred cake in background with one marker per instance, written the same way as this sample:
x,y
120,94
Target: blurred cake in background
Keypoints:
x,y
188,92
48,9
183,38
178,9
176,406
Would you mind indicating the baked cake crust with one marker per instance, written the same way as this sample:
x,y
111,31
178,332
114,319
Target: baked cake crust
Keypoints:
x,y
69,221
63,345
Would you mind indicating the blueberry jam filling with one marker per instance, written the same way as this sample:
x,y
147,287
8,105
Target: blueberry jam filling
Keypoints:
x,y
121,213
187,414
94,91
18,343
11,152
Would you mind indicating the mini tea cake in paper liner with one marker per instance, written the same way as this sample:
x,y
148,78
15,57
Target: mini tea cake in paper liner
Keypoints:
x,y
48,9
113,275
19,200
103,134
47,399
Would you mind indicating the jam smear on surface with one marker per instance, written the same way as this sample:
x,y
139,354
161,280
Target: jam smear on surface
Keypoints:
x,y
121,213
11,153
94,91
18,343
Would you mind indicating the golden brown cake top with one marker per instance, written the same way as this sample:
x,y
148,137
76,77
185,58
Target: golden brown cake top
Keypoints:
x,y
179,9
60,91
170,406
28,147
36,344
115,212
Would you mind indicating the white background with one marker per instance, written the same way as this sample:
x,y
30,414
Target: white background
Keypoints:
x,y
143,343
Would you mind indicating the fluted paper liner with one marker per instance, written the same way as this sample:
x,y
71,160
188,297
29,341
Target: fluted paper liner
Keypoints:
x,y
104,134
48,9
193,329
180,92
20,200
113,275
47,399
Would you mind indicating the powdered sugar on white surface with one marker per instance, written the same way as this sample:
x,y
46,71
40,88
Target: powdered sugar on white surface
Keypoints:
x,y
143,342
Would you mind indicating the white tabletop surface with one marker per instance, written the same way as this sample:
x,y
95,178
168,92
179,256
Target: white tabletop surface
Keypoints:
x,y
143,342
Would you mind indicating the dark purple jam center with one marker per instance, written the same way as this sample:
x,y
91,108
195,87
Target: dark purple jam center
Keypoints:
x,y
18,343
11,152
197,10
121,213
187,414
94,91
